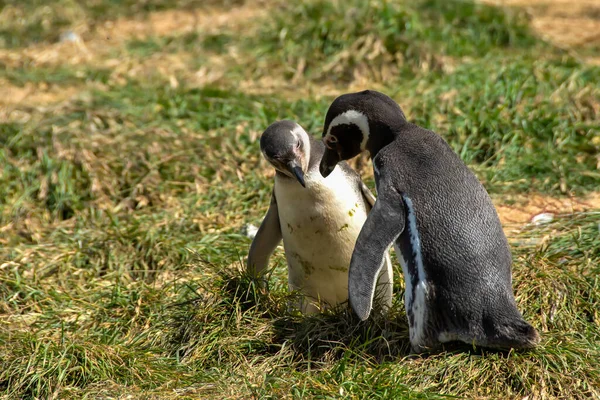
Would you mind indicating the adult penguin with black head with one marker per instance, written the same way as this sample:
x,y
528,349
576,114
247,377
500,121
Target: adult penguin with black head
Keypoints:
x,y
448,237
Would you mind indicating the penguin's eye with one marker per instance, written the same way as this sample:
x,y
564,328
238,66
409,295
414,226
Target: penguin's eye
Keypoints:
x,y
330,141
298,145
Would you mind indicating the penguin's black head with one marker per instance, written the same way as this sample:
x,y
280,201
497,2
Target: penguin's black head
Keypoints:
x,y
356,122
287,147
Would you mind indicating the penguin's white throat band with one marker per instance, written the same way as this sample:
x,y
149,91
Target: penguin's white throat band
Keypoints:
x,y
303,153
350,117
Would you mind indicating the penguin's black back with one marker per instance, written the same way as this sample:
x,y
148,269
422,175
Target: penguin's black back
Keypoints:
x,y
465,253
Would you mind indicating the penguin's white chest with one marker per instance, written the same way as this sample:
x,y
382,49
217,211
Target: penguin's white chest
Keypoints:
x,y
320,225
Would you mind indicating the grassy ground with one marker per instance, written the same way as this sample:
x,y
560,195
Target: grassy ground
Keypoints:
x,y
130,164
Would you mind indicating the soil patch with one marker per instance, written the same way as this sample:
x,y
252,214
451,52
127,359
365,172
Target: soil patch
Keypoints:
x,y
518,210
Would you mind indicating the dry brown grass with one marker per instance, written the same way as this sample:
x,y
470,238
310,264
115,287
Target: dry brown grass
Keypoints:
x,y
518,210
100,41
568,24
104,46
32,94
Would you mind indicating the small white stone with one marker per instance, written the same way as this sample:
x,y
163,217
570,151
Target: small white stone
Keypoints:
x,y
70,36
543,218
250,231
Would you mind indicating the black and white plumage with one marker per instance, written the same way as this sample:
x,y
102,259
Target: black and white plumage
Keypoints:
x,y
318,219
448,237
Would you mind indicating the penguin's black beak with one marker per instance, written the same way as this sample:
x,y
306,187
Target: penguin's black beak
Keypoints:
x,y
296,170
328,162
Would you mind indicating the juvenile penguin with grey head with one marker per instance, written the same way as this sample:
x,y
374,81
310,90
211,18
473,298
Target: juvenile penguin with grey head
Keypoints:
x,y
318,219
454,255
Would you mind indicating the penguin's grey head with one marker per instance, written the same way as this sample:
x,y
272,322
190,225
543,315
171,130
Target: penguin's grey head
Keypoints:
x,y
287,147
357,122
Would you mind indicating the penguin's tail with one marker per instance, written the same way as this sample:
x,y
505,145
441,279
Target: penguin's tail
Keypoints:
x,y
524,335
513,334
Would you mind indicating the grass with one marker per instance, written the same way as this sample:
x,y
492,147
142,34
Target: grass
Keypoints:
x,y
121,208
337,37
57,76
522,135
41,21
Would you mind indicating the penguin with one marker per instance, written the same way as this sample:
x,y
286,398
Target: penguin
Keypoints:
x,y
318,219
446,232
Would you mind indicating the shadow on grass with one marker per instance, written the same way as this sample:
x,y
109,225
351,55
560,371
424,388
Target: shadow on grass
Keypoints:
x,y
240,307
334,333
241,318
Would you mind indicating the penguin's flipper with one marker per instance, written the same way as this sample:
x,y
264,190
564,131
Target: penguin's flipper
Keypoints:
x,y
266,240
385,222
385,281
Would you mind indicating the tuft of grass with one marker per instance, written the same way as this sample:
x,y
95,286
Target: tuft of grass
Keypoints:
x,y
42,367
565,268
